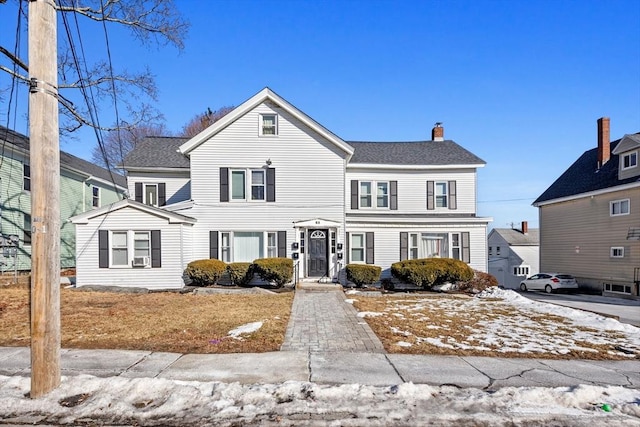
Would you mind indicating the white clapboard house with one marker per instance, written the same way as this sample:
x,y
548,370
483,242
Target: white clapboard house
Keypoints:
x,y
267,180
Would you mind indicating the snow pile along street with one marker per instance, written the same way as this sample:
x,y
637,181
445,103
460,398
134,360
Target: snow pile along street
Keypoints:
x,y
145,401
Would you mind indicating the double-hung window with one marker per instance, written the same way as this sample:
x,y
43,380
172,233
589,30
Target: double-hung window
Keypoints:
x,y
268,124
368,198
151,194
26,177
272,245
95,197
441,194
619,207
255,188
26,237
119,248
141,244
357,248
630,160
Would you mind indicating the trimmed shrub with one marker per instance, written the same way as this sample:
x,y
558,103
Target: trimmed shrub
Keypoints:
x,y
479,283
205,272
363,274
240,273
275,270
427,272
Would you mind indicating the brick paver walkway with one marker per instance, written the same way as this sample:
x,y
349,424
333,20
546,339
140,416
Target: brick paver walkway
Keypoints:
x,y
323,321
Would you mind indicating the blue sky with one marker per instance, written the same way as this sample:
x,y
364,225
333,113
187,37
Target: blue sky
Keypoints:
x,y
518,83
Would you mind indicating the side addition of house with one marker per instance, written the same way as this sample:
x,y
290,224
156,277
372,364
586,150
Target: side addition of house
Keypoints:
x,y
590,217
513,254
267,180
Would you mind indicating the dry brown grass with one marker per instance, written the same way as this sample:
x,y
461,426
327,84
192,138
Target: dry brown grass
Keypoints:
x,y
183,323
457,322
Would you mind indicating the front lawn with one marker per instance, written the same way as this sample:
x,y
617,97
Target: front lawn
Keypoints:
x,y
163,321
502,324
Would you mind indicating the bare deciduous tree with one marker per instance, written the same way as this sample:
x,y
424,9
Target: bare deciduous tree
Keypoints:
x,y
117,144
150,21
202,121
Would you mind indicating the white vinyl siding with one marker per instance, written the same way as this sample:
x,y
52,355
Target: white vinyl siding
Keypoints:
x,y
176,241
177,184
309,180
411,188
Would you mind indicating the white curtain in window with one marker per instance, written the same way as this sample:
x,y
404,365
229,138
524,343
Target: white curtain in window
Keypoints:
x,y
433,246
247,246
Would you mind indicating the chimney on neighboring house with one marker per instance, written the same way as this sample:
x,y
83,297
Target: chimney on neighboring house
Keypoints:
x,y
525,227
604,143
437,133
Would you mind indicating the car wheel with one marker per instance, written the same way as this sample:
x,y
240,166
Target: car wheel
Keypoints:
x,y
523,287
548,289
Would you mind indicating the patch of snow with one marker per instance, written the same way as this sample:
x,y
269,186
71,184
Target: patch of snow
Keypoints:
x,y
350,301
369,314
244,329
403,344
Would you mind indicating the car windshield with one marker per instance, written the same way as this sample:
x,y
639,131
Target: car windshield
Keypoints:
x,y
564,276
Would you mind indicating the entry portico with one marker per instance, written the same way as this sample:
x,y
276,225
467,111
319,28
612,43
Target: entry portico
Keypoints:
x,y
318,248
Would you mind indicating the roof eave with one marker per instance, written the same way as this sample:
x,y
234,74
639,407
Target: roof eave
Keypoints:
x,y
412,167
587,194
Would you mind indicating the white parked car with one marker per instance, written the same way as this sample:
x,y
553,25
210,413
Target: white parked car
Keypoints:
x,y
549,282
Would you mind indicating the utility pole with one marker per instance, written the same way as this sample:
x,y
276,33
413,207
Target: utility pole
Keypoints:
x,y
45,197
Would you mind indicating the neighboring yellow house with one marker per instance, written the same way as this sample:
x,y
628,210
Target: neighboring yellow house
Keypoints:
x,y
590,218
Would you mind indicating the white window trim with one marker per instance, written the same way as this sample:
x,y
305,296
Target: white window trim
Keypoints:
x,y
363,247
613,202
521,270
26,177
144,193
436,184
608,287
261,125
248,172
373,195
265,243
614,249
130,248
631,166
94,197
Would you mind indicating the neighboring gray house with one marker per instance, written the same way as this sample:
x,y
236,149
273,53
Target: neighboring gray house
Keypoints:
x,y
266,180
590,217
513,254
83,186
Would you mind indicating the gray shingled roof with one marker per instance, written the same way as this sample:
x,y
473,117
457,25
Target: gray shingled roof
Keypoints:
x,y
66,160
516,238
413,153
159,152
583,176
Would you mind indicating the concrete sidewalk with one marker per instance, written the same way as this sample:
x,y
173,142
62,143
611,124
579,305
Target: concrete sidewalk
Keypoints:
x,y
334,368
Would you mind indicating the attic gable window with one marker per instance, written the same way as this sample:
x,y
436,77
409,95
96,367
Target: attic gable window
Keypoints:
x,y
630,160
268,124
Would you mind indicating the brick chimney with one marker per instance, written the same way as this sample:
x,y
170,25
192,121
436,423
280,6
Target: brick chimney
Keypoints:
x,y
437,133
525,227
604,143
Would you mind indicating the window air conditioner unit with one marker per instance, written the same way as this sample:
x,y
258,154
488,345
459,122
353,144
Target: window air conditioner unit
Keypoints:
x,y
140,261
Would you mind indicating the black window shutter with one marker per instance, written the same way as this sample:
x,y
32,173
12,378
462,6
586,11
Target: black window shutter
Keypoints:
x,y
370,259
453,203
466,253
224,184
346,247
282,244
162,194
213,244
103,248
430,196
393,203
354,194
156,252
138,191
404,245
271,185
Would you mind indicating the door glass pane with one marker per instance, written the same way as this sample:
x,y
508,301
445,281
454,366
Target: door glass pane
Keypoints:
x,y
237,185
